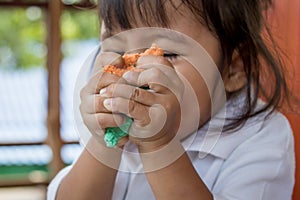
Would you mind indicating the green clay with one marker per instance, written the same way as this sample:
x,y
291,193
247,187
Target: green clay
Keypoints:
x,y
114,134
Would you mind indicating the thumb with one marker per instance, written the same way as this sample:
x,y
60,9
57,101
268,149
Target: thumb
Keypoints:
x,y
107,58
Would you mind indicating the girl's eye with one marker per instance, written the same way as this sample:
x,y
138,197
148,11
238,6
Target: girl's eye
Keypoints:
x,y
115,51
119,52
171,56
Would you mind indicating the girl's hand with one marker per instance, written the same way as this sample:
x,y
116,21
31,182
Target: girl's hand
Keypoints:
x,y
95,116
156,112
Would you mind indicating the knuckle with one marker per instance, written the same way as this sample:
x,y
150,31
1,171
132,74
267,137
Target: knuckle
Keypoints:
x,y
136,94
99,76
144,122
86,120
99,80
82,93
94,79
116,103
81,108
164,61
105,58
155,73
131,107
98,104
102,121
168,106
111,89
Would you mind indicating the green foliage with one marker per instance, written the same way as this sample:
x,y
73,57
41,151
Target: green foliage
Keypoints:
x,y
20,38
79,24
23,34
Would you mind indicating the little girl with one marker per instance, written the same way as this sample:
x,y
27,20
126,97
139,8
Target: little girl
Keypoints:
x,y
178,154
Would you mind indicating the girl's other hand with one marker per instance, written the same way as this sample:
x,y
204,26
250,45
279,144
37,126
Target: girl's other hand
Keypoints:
x,y
95,116
156,111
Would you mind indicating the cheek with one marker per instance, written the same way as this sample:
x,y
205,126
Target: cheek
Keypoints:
x,y
196,102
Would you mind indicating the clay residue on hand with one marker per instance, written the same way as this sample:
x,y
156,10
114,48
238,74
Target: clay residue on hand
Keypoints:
x,y
130,61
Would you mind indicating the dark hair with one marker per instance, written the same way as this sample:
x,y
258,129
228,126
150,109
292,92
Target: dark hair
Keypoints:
x,y
237,24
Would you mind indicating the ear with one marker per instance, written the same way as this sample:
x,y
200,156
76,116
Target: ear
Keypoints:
x,y
234,76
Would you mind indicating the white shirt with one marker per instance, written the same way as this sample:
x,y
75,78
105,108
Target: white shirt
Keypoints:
x,y
254,163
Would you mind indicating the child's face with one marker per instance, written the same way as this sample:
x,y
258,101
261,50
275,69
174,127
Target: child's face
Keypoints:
x,y
198,85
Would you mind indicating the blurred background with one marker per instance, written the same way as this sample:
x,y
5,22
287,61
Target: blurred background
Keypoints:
x,y
43,44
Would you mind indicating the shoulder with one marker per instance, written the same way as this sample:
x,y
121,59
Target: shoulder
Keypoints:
x,y
268,136
268,150
268,126
274,130
259,132
266,130
262,166
277,120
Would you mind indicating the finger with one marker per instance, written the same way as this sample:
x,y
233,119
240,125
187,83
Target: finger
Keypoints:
x,y
135,110
107,58
99,81
146,60
98,122
122,142
93,104
159,62
162,64
126,91
153,77
158,118
158,69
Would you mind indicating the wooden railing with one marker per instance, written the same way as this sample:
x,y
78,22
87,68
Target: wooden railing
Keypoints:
x,y
53,9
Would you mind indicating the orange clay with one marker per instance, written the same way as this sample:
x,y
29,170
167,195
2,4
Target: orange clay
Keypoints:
x,y
118,71
154,50
131,59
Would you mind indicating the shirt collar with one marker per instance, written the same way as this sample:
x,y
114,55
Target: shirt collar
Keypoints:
x,y
212,139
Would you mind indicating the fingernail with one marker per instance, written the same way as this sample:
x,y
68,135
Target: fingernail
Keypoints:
x,y
102,91
107,104
127,75
120,120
